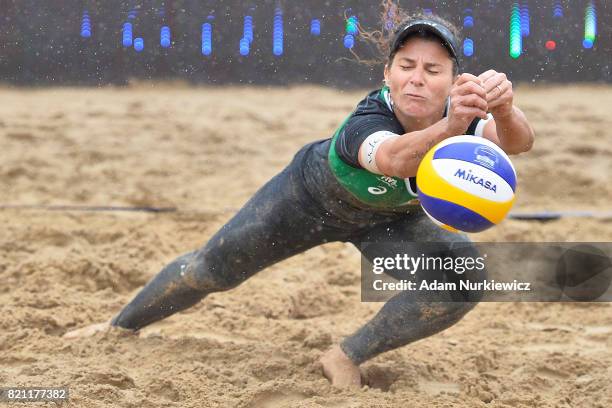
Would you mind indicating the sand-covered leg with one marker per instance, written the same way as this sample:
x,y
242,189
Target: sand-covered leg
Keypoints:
x,y
279,221
412,315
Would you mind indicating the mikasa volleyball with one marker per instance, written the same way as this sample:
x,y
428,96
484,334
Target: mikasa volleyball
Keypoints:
x,y
466,183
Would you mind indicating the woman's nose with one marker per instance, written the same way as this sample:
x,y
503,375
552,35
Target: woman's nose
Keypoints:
x,y
417,78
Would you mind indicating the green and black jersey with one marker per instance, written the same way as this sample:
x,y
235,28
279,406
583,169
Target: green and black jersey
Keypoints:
x,y
373,114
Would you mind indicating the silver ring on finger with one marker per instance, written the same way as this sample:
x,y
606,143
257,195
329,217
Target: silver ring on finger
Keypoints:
x,y
500,90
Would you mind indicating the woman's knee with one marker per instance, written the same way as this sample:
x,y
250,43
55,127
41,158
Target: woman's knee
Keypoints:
x,y
209,272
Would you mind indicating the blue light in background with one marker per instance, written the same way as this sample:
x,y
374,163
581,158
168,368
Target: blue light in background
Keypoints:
x,y
127,34
468,18
277,35
207,37
468,22
525,24
248,28
138,44
315,27
558,9
244,47
349,41
165,37
128,29
85,25
468,47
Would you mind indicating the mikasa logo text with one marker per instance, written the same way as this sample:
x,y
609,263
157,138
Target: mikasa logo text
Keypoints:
x,y
475,179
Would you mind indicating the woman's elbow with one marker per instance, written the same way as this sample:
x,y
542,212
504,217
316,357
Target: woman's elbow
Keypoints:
x,y
525,145
529,143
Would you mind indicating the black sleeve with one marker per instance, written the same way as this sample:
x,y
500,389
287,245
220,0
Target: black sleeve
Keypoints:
x,y
471,130
357,129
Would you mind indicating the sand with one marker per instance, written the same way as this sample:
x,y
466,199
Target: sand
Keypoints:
x,y
206,151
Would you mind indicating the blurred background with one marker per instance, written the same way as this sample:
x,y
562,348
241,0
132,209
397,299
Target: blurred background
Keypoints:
x,y
281,42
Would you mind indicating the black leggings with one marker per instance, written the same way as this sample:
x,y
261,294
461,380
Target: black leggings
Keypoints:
x,y
283,219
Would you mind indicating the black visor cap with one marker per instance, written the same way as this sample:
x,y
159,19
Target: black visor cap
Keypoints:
x,y
444,34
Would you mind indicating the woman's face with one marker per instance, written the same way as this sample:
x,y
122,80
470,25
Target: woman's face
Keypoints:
x,y
420,79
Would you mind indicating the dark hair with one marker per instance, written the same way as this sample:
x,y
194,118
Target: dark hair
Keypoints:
x,y
393,17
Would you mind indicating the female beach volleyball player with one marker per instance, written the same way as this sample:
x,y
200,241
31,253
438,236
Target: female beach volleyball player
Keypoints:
x,y
357,186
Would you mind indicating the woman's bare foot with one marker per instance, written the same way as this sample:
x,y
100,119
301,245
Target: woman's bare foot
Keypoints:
x,y
339,369
92,329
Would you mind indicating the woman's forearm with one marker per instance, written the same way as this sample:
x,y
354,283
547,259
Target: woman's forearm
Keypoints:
x,y
514,132
400,157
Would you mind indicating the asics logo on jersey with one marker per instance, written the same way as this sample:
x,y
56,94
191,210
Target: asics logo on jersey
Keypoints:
x,y
377,190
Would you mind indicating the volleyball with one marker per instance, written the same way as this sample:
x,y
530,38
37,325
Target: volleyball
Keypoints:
x,y
466,183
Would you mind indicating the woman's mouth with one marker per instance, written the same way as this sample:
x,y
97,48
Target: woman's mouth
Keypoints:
x,y
414,96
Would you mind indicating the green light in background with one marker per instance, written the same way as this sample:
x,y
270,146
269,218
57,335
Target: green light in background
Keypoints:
x,y
516,38
590,26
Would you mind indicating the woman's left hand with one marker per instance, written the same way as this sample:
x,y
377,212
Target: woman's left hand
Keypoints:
x,y
499,93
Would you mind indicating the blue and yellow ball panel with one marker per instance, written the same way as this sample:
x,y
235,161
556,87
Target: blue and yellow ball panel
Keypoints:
x,y
479,154
451,214
466,183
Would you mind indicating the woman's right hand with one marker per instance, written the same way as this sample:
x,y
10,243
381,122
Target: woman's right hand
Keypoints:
x,y
468,101
92,329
